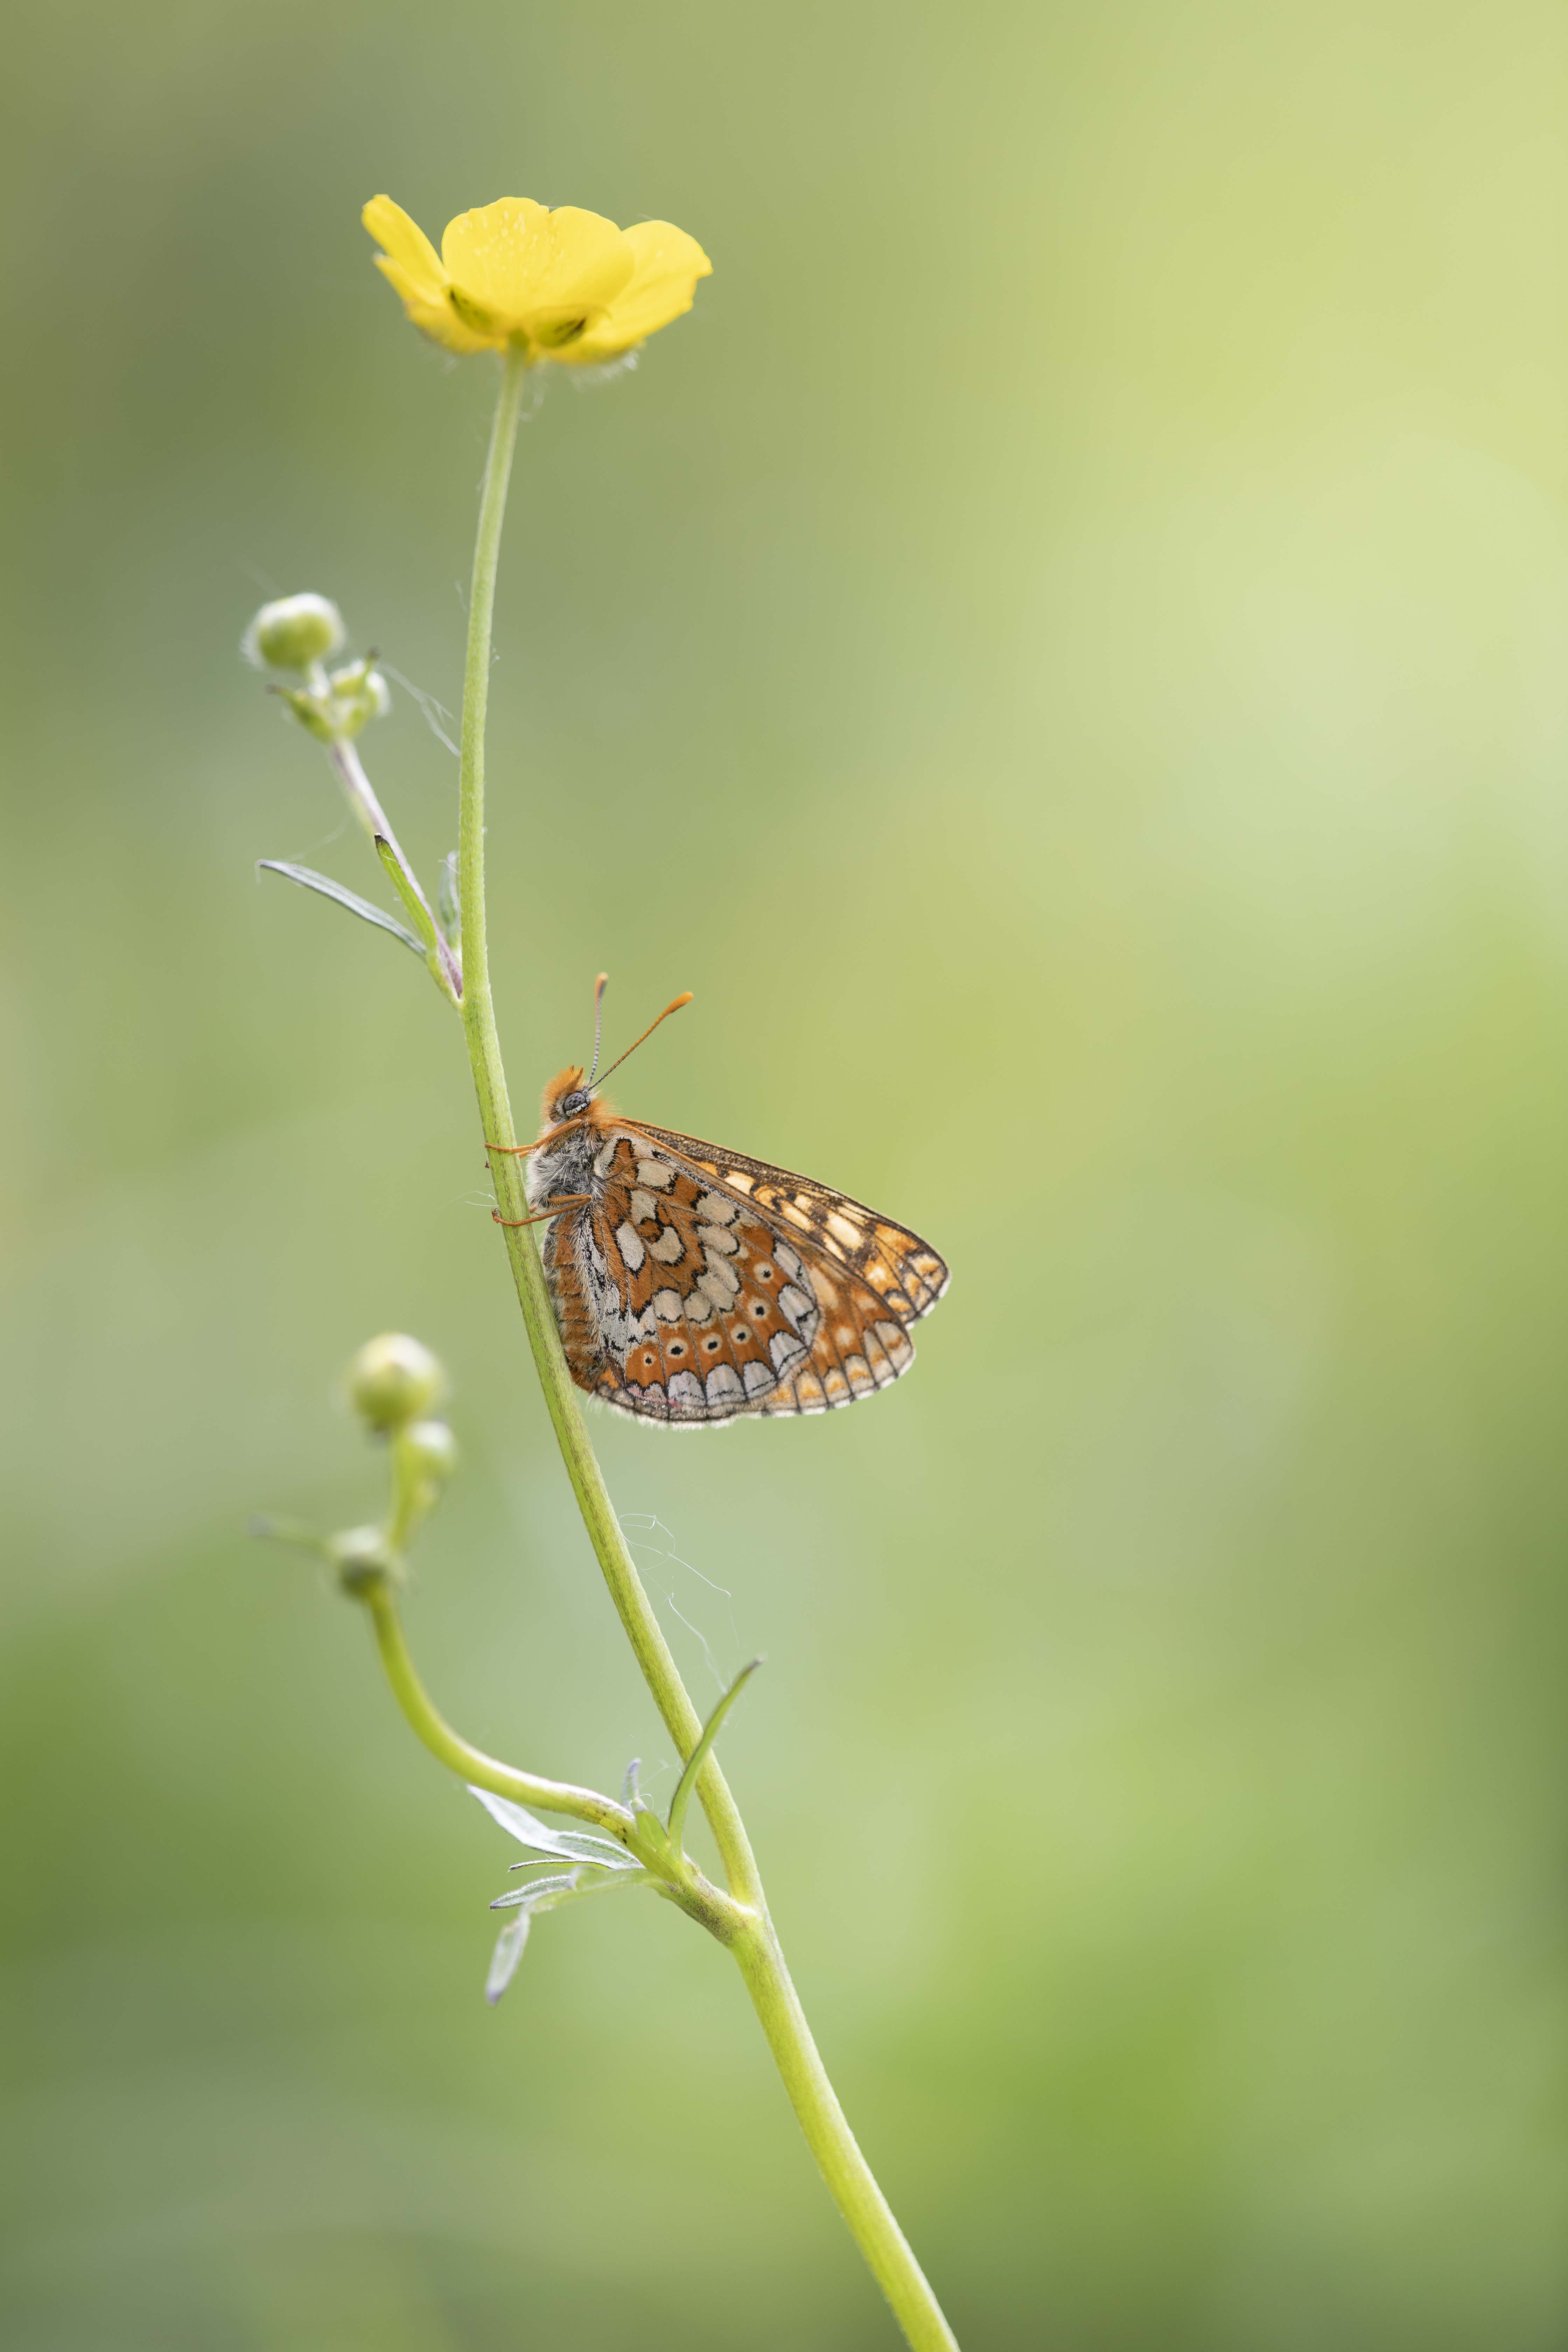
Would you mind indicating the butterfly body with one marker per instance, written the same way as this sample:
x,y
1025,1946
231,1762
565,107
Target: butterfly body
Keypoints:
x,y
693,1285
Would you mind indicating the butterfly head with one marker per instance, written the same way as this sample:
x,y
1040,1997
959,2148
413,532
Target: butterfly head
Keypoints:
x,y
567,1097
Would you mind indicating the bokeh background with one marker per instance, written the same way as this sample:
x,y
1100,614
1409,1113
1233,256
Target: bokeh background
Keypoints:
x,y
1064,652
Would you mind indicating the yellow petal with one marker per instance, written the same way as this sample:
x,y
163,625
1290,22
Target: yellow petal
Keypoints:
x,y
436,319
405,242
669,264
521,268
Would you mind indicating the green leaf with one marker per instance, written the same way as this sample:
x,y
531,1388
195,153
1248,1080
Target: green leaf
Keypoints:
x,y
681,1798
651,1836
328,888
578,1889
407,889
565,1887
515,1895
571,1845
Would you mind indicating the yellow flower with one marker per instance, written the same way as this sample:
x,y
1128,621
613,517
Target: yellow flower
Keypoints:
x,y
569,285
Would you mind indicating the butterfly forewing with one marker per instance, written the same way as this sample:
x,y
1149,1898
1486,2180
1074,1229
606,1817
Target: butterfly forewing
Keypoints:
x,y
904,1271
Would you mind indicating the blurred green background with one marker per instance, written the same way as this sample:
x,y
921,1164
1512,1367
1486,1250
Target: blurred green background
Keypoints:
x,y
1063,652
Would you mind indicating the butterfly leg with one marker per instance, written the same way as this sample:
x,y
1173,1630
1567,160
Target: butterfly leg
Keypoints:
x,y
556,1208
519,1147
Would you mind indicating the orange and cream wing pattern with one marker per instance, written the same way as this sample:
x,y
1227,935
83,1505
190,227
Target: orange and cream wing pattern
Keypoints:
x,y
869,1278
675,1304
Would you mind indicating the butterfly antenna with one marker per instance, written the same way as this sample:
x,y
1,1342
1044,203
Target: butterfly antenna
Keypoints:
x,y
599,987
684,999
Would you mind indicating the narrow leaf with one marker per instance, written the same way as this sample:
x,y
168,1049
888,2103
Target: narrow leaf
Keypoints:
x,y
652,1835
525,1896
328,888
681,1798
571,1845
407,889
506,1956
555,1897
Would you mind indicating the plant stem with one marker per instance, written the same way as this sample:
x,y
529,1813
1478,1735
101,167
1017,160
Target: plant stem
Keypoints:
x,y
755,1945
472,1763
850,2180
653,1654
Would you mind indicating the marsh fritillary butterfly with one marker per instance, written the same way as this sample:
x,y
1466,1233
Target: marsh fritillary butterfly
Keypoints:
x,y
692,1284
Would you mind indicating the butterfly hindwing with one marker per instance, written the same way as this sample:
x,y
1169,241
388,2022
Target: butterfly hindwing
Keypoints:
x,y
698,1312
870,1278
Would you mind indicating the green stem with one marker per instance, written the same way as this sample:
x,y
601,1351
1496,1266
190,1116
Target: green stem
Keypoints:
x,y
887,2253
652,1650
755,1945
468,1762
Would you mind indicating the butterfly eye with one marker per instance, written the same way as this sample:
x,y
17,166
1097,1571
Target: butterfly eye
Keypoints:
x,y
570,1105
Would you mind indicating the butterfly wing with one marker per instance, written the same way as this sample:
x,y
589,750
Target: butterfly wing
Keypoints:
x,y
675,1302
869,1278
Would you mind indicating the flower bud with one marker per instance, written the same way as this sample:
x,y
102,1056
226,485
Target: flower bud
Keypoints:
x,y
335,711
393,1380
363,1557
293,633
359,694
429,1450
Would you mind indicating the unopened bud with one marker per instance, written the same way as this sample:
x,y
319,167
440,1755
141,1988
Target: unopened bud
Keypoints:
x,y
393,1380
359,694
363,1557
429,1450
293,633
336,711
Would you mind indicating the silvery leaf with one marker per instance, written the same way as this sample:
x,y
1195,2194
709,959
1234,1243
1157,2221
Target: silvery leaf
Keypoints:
x,y
571,1845
506,1956
528,1895
309,879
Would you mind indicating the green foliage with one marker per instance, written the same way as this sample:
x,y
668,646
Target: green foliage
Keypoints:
x,y
328,888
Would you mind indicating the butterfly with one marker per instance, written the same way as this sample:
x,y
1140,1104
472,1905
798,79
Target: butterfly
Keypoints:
x,y
692,1284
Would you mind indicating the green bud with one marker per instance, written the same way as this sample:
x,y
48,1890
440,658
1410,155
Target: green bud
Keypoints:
x,y
429,1450
312,711
294,633
359,694
335,712
363,1557
395,1380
